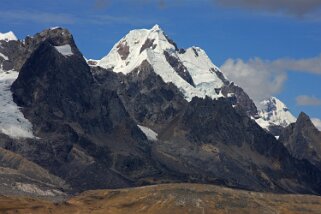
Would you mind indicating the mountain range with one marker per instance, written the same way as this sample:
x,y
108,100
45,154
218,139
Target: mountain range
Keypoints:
x,y
147,113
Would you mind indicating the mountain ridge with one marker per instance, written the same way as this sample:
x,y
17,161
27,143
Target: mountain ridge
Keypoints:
x,y
88,121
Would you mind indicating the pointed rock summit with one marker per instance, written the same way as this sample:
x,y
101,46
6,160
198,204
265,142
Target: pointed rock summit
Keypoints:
x,y
304,119
156,27
303,140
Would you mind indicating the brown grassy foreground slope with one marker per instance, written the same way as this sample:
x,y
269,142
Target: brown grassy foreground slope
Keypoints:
x,y
169,198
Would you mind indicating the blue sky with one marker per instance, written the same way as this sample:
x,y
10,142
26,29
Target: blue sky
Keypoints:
x,y
280,40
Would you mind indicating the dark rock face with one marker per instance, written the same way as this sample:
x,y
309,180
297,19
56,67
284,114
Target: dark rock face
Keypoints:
x,y
123,50
64,82
173,43
14,51
213,143
85,131
180,69
303,140
19,51
149,43
146,97
195,52
242,101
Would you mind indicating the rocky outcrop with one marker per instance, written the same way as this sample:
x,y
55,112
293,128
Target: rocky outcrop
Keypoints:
x,y
242,101
178,66
17,52
12,55
303,140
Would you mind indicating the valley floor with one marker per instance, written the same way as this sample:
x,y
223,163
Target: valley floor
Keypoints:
x,y
168,198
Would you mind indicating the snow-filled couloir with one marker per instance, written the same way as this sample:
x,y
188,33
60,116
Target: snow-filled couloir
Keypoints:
x,y
12,121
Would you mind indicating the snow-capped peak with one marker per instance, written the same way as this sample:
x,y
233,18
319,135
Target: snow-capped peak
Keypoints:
x,y
156,28
127,53
274,112
8,36
194,75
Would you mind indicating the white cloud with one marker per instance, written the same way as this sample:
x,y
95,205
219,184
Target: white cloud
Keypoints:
x,y
256,77
305,100
317,123
264,78
309,65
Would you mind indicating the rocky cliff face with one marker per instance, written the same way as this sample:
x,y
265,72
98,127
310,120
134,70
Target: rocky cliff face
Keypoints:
x,y
84,130
14,53
240,99
303,140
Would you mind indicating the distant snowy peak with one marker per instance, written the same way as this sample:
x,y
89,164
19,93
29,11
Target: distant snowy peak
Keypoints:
x,y
8,36
190,70
273,112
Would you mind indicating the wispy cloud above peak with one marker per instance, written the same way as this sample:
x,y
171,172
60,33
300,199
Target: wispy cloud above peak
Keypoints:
x,y
22,16
305,100
49,18
291,7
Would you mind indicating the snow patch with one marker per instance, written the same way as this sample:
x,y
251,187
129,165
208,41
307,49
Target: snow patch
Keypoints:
x,y
54,28
263,123
150,134
4,57
9,36
64,50
12,121
34,189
